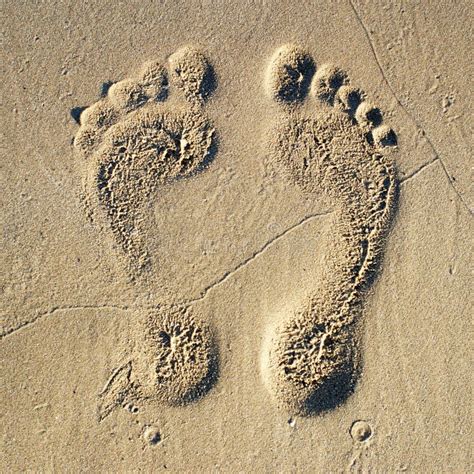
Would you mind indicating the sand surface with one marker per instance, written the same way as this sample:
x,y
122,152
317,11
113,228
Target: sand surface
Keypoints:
x,y
226,265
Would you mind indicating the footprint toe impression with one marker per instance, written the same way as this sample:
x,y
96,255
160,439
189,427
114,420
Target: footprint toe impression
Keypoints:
x,y
289,74
140,137
341,150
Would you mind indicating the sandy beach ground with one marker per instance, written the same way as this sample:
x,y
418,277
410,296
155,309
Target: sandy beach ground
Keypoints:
x,y
139,307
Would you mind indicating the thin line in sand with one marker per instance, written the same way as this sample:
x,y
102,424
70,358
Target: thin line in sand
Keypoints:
x,y
405,110
226,276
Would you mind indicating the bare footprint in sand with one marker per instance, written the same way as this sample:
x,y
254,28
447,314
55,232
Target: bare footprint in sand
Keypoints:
x,y
174,361
138,138
134,140
337,146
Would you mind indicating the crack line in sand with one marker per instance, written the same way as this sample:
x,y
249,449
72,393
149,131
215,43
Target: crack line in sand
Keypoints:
x,y
219,281
405,110
419,170
252,257
222,279
203,293
55,309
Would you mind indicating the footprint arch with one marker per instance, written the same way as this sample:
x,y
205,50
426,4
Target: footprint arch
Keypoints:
x,y
329,140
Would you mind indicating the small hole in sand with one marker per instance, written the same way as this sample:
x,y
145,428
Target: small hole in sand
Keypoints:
x,y
361,431
152,435
130,407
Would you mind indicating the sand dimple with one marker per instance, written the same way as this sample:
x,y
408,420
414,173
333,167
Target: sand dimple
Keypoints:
x,y
337,149
138,138
152,435
361,431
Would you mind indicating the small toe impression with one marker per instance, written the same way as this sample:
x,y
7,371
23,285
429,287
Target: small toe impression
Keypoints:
x,y
384,136
192,73
368,116
290,73
94,120
154,80
86,138
348,98
127,95
100,114
327,80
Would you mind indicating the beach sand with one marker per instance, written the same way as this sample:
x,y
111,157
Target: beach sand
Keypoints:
x,y
226,264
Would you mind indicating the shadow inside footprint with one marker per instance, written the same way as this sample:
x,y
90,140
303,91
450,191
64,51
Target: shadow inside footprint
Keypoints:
x,y
332,393
104,88
76,113
208,84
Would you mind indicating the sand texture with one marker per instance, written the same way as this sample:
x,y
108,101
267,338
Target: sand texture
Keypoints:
x,y
237,236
